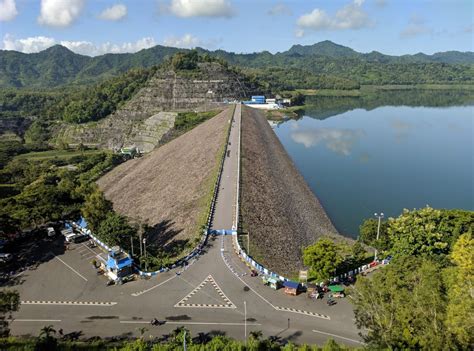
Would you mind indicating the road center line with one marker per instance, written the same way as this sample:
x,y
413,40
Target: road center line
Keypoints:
x,y
72,269
36,320
338,336
191,323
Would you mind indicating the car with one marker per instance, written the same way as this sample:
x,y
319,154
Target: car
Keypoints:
x,y
51,232
5,257
80,238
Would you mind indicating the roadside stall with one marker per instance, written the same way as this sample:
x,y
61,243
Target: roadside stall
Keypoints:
x,y
336,290
273,283
291,288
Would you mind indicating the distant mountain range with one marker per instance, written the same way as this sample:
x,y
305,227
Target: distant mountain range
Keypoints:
x,y
58,65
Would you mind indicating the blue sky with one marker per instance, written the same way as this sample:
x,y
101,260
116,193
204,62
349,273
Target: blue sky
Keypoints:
x,y
95,27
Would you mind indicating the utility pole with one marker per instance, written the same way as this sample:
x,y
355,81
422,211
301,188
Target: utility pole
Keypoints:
x,y
131,244
245,322
140,234
379,216
184,340
144,249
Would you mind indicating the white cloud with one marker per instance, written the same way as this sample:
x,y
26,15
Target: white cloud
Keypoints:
x,y
60,13
416,26
350,16
280,9
36,44
27,45
7,10
186,41
114,13
201,8
341,141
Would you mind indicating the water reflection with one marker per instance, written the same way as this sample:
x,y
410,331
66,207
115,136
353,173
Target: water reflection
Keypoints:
x,y
338,140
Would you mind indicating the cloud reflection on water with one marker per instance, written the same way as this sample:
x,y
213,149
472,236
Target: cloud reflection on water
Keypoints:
x,y
338,140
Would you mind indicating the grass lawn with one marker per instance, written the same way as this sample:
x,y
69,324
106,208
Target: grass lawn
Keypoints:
x,y
52,154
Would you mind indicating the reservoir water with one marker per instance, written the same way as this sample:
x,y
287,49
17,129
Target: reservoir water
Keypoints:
x,y
384,153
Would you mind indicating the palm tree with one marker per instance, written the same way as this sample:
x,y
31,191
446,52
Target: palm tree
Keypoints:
x,y
46,332
256,334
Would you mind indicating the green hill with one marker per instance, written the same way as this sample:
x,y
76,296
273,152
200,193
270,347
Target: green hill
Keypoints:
x,y
58,66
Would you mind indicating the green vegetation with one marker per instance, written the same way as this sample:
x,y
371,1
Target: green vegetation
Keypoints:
x,y
423,299
9,302
322,65
50,340
185,121
45,191
105,98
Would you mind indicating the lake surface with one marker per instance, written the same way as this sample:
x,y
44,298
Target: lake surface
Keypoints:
x,y
360,157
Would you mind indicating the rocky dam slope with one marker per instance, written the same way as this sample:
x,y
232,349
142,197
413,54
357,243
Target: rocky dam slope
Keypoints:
x,y
278,208
169,187
151,113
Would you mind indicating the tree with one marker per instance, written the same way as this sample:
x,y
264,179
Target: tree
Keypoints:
x,y
323,258
368,234
9,302
460,283
358,252
403,306
46,339
428,232
95,209
115,230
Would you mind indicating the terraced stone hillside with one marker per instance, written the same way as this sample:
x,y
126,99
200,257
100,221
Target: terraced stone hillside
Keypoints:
x,y
141,120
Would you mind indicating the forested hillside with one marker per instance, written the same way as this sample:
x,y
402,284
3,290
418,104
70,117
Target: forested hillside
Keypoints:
x,y
302,65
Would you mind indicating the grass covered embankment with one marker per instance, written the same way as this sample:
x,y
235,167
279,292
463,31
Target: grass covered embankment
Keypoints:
x,y
168,189
277,206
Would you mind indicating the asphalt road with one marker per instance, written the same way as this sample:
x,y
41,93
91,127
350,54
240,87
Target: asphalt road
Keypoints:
x,y
224,215
213,294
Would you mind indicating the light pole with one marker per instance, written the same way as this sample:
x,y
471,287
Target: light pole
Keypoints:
x,y
144,249
245,321
379,216
131,244
184,340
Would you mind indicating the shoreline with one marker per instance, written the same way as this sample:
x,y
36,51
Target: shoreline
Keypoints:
x,y
278,208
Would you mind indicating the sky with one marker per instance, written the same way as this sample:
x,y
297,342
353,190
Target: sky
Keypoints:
x,y
95,27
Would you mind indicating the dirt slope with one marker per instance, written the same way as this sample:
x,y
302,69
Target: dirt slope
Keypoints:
x,y
278,208
168,186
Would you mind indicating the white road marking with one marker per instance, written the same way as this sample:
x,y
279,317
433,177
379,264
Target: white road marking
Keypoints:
x,y
36,320
138,293
79,274
277,308
209,279
191,323
338,336
69,303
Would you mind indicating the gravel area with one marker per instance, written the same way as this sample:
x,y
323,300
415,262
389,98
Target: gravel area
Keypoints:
x,y
278,208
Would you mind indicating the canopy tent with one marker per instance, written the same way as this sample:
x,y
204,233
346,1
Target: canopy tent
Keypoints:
x,y
335,288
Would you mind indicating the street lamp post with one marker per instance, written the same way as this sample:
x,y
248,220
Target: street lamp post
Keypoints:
x,y
131,244
144,249
379,216
245,321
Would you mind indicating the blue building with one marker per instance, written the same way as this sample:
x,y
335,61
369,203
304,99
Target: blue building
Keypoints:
x,y
256,100
119,264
